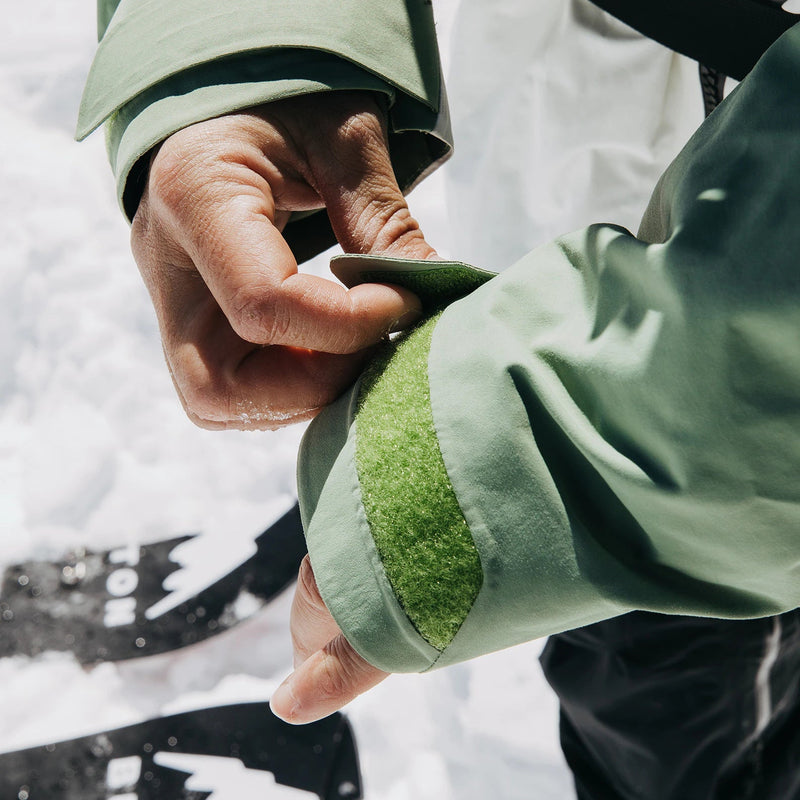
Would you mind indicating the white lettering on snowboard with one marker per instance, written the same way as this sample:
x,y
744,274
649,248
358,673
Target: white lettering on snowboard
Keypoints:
x,y
120,584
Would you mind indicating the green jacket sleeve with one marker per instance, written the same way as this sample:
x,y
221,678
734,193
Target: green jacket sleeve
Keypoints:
x,y
611,424
162,65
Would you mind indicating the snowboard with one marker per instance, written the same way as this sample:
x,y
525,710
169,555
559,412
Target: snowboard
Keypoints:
x,y
142,600
232,752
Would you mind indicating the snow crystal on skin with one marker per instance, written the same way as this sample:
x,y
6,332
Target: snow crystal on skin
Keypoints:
x,y
255,419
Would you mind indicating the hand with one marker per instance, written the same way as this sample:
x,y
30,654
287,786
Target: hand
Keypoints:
x,y
250,343
328,671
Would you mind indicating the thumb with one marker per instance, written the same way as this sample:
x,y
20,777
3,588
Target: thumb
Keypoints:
x,y
356,181
323,683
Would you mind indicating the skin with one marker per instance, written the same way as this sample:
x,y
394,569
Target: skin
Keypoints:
x,y
250,342
328,673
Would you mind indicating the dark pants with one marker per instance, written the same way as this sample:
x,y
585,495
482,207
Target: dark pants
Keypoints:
x,y
657,707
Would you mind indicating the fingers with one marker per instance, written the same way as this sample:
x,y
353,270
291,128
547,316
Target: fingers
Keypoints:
x,y
258,388
353,174
224,283
267,302
223,380
221,213
328,671
326,681
250,342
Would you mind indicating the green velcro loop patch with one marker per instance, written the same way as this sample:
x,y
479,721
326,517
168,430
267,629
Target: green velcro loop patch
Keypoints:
x,y
421,535
436,283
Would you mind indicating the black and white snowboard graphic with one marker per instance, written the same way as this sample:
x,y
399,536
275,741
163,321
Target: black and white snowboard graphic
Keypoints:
x,y
143,600
235,752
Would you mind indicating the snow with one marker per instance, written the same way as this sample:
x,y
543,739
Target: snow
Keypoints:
x,y
95,449
227,778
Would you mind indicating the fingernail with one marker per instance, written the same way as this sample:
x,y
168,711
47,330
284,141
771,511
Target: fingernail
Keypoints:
x,y
408,319
284,703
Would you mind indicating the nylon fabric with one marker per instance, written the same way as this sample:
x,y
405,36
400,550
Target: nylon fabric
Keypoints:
x,y
642,470
425,550
356,592
615,414
394,40
202,62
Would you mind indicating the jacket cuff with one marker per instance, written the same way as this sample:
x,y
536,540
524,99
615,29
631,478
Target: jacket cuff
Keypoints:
x,y
347,565
403,572
162,66
405,559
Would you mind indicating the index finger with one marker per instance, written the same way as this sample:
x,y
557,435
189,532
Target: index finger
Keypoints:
x,y
251,271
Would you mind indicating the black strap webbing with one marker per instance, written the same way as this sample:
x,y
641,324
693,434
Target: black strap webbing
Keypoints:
x,y
726,35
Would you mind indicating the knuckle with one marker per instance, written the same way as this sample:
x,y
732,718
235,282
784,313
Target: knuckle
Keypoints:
x,y
397,225
382,221
167,182
360,130
354,143
257,318
187,165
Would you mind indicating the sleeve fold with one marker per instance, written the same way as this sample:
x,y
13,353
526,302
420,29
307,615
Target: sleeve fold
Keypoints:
x,y
161,66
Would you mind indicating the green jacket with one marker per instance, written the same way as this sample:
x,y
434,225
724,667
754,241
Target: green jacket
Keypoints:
x,y
162,65
611,424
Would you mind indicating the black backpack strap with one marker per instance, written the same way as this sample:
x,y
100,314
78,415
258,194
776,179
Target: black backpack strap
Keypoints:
x,y
712,84
727,36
